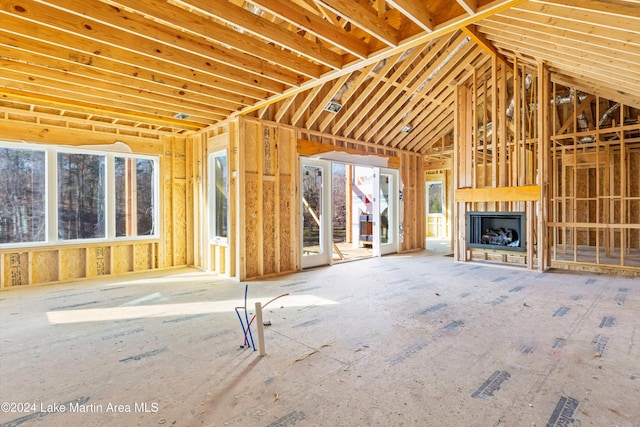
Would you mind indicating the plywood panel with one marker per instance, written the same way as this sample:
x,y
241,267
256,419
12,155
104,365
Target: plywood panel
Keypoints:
x,y
168,221
46,266
142,258
179,159
252,145
286,151
251,230
269,228
269,150
287,240
122,258
102,260
180,222
72,263
16,269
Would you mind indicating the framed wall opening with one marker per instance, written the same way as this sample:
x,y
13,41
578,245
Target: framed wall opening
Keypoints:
x,y
361,205
496,230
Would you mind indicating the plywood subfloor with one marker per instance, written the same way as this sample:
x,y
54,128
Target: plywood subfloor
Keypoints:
x,y
412,339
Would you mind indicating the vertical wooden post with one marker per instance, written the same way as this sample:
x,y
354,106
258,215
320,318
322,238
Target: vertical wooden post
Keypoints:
x,y
623,190
514,159
598,177
543,167
495,123
260,327
472,143
457,129
502,149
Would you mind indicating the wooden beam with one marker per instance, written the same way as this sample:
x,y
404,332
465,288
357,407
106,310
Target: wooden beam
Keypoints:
x,y
248,21
497,6
500,194
206,28
97,109
321,28
469,6
438,164
321,105
362,95
76,88
81,53
481,40
139,27
311,148
583,106
363,75
97,39
364,18
302,108
416,12
588,85
369,114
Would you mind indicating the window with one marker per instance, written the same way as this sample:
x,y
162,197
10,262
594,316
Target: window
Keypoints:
x,y
134,196
23,195
218,195
435,198
81,196
53,194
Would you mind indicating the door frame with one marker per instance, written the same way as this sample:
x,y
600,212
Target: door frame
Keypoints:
x,y
324,256
392,246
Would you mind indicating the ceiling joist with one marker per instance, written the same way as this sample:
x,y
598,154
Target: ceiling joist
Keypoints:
x,y
143,63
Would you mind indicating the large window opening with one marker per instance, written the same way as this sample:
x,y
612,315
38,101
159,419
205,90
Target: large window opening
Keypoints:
x,y
23,196
81,196
135,189
218,196
58,194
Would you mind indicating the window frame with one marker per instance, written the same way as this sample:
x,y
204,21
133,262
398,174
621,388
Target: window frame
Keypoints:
x,y
25,147
52,196
213,208
155,196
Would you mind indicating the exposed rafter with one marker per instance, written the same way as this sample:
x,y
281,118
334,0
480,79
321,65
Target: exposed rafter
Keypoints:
x,y
147,62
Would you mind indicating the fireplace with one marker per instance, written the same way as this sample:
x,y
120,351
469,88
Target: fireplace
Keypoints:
x,y
496,230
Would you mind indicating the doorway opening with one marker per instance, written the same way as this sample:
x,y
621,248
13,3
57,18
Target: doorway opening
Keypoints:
x,y
349,211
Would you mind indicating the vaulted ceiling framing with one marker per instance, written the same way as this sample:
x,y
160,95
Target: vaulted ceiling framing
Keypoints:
x,y
178,66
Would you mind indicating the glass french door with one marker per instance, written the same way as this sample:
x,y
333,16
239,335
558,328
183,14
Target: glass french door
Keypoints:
x,y
385,208
316,212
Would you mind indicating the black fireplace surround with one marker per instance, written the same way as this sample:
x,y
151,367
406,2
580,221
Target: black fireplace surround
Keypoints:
x,y
496,230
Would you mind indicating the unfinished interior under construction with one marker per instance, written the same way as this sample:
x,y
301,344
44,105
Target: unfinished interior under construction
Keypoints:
x,y
254,139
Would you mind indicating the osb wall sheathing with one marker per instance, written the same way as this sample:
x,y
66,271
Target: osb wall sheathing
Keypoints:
x,y
269,219
72,263
98,261
39,265
267,199
174,177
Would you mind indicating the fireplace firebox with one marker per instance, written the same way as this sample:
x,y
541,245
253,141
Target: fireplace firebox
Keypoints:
x,y
496,230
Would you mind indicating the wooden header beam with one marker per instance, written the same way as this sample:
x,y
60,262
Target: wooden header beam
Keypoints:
x,y
310,148
500,194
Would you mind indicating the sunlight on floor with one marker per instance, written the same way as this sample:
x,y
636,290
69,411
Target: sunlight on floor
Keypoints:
x,y
164,310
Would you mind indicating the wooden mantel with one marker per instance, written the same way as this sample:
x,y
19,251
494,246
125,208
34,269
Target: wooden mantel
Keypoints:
x,y
522,193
